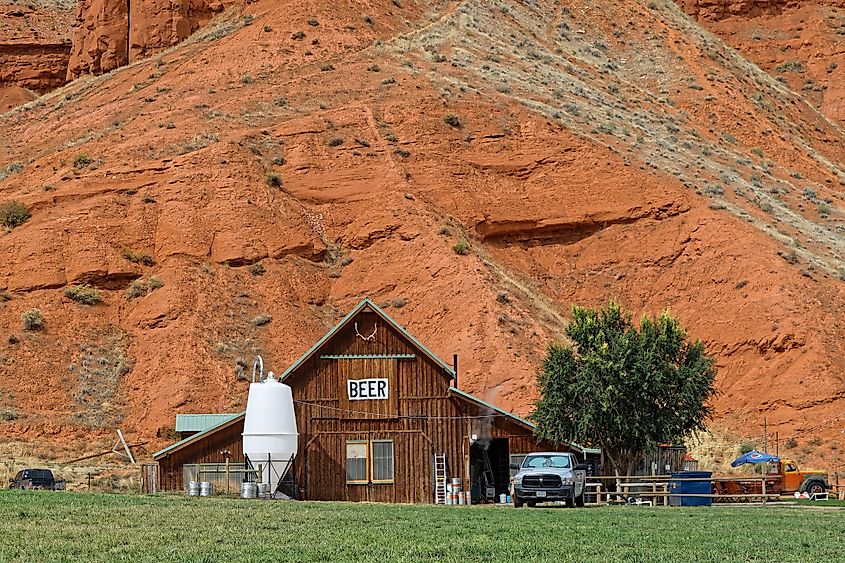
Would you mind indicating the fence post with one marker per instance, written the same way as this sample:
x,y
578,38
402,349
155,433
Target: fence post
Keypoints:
x,y
764,490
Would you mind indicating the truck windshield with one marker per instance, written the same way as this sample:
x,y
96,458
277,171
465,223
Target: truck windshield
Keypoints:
x,y
37,474
556,461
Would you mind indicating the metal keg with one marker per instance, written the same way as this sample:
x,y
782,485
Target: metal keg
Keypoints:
x,y
193,488
206,489
264,491
248,490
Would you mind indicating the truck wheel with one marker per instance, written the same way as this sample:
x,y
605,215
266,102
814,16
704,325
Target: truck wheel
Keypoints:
x,y
579,500
570,500
532,503
815,487
517,502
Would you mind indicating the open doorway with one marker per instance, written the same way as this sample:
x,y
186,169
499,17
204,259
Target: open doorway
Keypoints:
x,y
489,471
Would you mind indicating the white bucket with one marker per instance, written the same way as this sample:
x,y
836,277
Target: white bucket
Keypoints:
x,y
503,498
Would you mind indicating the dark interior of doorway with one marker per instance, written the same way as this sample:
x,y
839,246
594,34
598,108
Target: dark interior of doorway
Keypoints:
x,y
489,460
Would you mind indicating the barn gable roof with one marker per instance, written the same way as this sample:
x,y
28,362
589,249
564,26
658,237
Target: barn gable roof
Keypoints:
x,y
367,304
200,422
232,419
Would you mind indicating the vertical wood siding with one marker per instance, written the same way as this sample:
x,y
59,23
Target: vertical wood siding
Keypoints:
x,y
421,417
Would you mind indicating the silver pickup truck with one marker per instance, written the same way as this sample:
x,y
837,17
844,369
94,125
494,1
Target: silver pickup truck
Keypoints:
x,y
549,476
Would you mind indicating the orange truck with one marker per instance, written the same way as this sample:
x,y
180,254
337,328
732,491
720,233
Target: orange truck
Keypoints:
x,y
782,478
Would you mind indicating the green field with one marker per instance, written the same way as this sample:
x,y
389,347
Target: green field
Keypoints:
x,y
45,526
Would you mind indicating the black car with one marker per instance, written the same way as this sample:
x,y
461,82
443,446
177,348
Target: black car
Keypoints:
x,y
36,479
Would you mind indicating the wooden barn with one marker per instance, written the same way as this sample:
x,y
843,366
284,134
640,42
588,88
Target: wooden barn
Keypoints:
x,y
374,407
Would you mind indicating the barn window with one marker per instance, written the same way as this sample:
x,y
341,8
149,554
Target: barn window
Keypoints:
x,y
356,461
382,461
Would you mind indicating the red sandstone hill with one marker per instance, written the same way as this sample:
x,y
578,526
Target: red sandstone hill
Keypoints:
x,y
291,157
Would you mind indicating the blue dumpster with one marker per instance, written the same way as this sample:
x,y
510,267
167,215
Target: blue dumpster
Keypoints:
x,y
678,486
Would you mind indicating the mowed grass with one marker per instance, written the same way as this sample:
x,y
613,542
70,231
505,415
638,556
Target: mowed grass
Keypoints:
x,y
46,526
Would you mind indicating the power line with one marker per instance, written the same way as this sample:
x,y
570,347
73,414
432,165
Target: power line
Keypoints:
x,y
391,416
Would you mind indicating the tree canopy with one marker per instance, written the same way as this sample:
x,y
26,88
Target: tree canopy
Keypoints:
x,y
621,387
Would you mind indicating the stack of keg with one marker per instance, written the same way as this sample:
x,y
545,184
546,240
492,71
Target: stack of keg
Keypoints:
x,y
264,491
249,490
454,495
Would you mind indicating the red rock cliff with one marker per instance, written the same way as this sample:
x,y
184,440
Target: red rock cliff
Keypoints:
x,y
111,33
34,51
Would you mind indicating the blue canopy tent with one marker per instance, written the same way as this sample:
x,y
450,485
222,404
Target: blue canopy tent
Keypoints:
x,y
754,457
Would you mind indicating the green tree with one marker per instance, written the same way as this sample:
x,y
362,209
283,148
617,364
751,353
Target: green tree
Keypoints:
x,y
621,387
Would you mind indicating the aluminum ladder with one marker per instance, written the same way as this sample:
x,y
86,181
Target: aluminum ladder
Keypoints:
x,y
440,478
489,478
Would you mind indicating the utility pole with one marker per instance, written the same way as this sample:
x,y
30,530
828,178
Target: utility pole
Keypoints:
x,y
765,437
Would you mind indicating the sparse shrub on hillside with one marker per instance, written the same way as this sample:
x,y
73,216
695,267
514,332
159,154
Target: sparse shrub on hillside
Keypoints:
x,y
444,230
84,294
281,101
13,214
403,153
273,179
142,287
8,415
791,66
267,29
791,257
5,296
148,198
461,247
790,444
257,269
138,257
368,20
810,194
198,142
247,79
745,447
32,320
325,67
823,209
9,169
841,274
82,160
758,151
335,142
399,302
374,68
279,160
298,36
262,319
452,120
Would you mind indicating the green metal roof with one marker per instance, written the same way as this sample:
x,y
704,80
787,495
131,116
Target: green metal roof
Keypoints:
x,y
517,418
358,308
200,422
189,439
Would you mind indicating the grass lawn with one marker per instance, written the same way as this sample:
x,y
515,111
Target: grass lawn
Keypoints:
x,y
44,526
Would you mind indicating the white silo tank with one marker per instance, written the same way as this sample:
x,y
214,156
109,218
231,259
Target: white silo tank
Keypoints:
x,y
270,437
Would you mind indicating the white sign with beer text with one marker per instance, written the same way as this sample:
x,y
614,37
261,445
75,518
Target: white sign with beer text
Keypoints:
x,y
366,389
